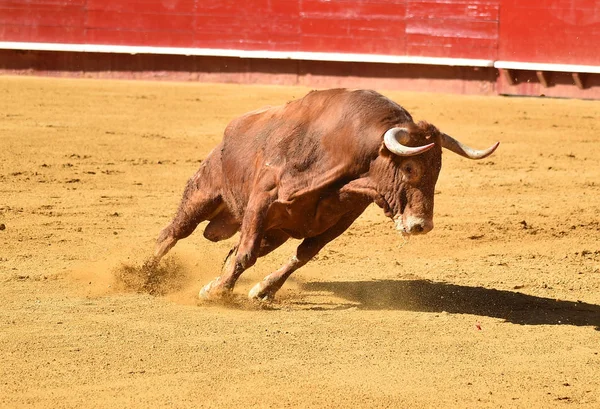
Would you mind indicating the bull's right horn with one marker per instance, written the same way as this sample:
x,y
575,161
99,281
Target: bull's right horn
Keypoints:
x,y
455,146
390,139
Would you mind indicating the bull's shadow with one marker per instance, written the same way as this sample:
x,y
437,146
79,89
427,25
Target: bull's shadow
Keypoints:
x,y
429,296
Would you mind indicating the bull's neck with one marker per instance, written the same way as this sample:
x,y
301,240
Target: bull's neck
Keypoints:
x,y
388,178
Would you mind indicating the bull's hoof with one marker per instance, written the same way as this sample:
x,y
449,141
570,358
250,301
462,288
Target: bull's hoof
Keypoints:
x,y
214,291
260,293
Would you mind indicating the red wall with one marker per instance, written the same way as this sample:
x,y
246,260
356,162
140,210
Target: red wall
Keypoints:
x,y
456,28
550,31
553,31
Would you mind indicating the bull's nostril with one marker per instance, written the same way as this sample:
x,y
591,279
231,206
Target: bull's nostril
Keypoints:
x,y
417,225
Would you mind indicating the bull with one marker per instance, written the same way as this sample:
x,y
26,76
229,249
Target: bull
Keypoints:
x,y
307,170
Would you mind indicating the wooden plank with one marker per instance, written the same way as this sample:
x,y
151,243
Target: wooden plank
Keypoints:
x,y
324,26
48,34
542,78
450,41
347,44
144,38
579,79
139,21
42,3
143,6
509,78
220,8
453,28
373,29
246,44
464,10
376,28
31,15
573,5
353,9
286,8
226,25
461,50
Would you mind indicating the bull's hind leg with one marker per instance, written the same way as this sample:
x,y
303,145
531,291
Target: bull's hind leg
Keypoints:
x,y
197,205
309,248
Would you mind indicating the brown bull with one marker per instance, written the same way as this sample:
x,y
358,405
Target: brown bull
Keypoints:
x,y
307,170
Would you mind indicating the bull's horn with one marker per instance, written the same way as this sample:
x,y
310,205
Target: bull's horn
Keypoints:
x,y
390,139
455,146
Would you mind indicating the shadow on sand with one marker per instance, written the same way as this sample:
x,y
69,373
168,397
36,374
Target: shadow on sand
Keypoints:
x,y
429,296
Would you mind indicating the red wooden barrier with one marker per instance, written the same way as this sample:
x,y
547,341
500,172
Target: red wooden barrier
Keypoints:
x,y
456,28
555,31
509,32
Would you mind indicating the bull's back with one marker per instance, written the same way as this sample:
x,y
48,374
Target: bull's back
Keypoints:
x,y
297,142
336,118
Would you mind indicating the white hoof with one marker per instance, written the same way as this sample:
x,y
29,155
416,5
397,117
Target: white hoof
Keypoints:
x,y
207,292
257,293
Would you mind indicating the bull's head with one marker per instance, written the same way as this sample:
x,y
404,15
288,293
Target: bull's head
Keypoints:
x,y
417,160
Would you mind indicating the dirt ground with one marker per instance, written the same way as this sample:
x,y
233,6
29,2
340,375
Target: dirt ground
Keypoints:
x,y
499,306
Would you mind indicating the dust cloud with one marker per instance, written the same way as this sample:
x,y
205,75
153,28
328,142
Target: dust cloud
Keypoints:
x,y
174,277
152,278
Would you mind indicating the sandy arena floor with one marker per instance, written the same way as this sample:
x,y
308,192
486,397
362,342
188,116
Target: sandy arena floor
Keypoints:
x,y
499,306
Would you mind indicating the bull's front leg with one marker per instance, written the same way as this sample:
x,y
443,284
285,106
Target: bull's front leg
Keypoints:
x,y
248,248
310,247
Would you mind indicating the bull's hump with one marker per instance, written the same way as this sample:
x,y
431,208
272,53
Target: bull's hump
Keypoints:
x,y
259,110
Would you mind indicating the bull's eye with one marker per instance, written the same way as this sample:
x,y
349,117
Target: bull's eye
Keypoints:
x,y
410,171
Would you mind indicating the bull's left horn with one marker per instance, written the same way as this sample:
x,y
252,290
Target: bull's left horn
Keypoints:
x,y
390,139
455,146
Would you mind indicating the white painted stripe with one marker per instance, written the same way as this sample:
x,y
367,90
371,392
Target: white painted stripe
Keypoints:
x,y
300,55
278,55
534,66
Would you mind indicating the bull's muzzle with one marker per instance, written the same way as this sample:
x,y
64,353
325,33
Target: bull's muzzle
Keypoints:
x,y
411,225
